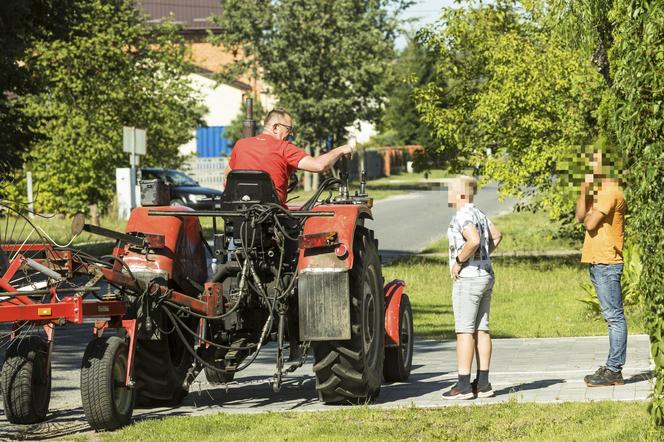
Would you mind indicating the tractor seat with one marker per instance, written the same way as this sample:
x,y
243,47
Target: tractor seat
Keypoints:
x,y
245,188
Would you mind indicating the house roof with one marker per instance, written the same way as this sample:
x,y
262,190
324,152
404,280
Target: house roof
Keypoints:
x,y
193,15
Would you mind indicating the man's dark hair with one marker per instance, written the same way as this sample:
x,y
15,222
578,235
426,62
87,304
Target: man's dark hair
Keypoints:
x,y
274,113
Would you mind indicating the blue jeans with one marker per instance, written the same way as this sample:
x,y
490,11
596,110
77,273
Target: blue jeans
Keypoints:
x,y
606,279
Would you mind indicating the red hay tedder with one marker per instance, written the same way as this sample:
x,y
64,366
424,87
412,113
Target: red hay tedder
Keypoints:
x,y
307,278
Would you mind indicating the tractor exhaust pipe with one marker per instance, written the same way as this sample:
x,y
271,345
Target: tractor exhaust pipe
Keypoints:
x,y
249,125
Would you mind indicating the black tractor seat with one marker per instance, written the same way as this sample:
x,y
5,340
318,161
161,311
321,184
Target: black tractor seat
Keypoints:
x,y
247,187
249,193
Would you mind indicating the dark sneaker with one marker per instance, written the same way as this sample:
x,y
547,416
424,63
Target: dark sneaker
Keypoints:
x,y
457,393
604,377
483,391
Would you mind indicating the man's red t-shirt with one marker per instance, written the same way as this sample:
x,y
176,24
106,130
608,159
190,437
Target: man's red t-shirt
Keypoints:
x,y
278,158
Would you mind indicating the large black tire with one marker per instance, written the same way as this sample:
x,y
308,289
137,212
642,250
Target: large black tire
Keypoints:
x,y
160,369
108,403
350,372
399,359
25,381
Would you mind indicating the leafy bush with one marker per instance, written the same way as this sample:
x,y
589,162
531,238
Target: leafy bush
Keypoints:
x,y
637,63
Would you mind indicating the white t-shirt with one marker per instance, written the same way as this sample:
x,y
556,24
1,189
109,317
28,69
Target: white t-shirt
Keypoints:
x,y
480,263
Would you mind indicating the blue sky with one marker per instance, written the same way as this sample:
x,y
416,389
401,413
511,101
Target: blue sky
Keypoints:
x,y
426,12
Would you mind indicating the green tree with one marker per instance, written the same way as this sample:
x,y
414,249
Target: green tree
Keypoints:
x,y
630,33
22,23
400,123
323,60
111,69
461,42
637,65
509,98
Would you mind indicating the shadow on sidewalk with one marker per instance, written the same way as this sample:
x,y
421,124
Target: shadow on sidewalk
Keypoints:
x,y
535,385
645,375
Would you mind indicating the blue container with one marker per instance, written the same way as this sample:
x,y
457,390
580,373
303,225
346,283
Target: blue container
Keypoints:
x,y
210,142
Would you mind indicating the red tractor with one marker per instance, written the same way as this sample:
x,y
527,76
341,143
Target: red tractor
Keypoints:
x,y
307,278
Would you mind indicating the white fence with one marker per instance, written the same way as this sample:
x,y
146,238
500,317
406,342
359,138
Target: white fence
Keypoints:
x,y
209,172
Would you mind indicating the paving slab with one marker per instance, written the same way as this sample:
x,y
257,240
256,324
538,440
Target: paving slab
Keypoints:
x,y
548,370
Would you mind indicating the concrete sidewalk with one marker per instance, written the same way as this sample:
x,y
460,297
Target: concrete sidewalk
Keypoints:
x,y
545,370
526,370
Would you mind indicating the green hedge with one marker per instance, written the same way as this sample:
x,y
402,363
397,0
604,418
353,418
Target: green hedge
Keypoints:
x,y
637,62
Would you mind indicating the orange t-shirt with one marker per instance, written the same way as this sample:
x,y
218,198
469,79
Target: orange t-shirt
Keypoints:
x,y
604,245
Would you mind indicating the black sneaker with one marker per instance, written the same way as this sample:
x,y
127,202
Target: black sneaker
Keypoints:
x,y
483,391
457,393
604,377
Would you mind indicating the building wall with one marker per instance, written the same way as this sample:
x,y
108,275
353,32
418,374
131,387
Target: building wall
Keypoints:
x,y
222,101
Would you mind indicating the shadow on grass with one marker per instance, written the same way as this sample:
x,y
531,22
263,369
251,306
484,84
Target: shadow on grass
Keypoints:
x,y
448,334
538,262
412,186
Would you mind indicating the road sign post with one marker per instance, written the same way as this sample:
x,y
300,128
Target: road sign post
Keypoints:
x,y
134,142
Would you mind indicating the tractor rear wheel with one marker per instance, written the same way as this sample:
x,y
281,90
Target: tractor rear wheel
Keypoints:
x,y
160,369
25,381
399,359
108,402
160,374
351,371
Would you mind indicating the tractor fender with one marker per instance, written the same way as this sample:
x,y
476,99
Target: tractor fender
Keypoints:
x,y
346,218
183,255
393,293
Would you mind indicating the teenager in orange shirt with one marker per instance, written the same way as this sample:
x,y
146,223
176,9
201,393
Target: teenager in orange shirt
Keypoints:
x,y
602,213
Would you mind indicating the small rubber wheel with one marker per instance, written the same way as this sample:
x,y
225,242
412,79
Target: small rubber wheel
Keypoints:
x,y
25,381
107,402
399,359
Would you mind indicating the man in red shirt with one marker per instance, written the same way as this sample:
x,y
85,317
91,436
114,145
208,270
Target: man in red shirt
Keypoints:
x,y
271,152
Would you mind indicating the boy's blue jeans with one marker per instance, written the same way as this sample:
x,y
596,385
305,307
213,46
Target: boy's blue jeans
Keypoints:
x,y
606,279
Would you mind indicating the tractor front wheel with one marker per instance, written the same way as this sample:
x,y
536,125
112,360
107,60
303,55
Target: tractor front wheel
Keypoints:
x,y
25,380
351,371
108,403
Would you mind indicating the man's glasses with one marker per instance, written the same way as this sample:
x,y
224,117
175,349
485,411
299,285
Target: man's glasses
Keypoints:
x,y
290,128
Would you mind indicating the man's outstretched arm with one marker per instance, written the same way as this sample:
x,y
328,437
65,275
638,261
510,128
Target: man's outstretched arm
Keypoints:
x,y
323,162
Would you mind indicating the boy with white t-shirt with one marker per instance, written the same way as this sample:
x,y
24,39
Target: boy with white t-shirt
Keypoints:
x,y
472,238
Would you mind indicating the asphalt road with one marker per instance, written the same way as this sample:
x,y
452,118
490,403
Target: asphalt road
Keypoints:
x,y
408,223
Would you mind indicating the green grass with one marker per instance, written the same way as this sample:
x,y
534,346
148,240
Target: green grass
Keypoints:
x,y
522,231
596,421
435,174
531,298
58,228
